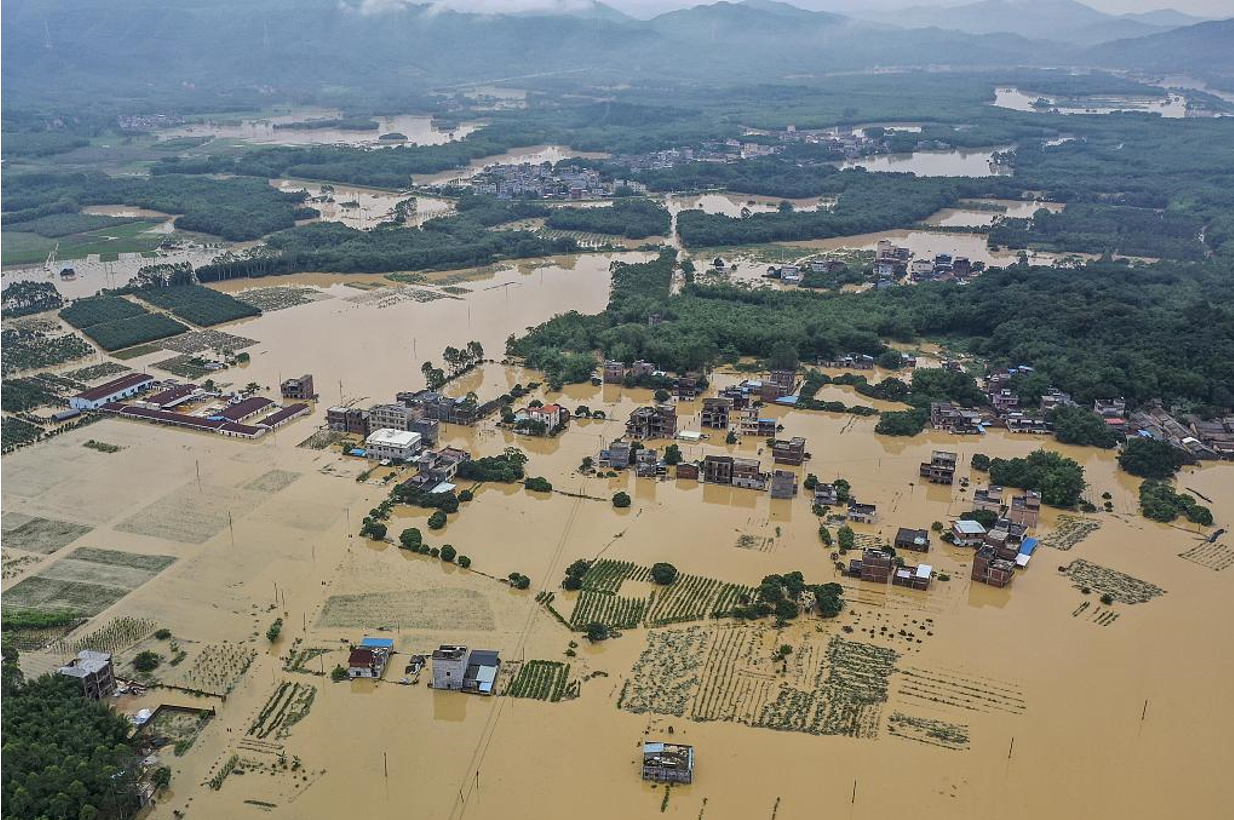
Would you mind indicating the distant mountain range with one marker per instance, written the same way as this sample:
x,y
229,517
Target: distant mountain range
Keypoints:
x,y
118,47
1204,50
1064,21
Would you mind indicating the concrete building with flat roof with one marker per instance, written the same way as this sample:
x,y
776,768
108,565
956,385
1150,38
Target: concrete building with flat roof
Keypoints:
x,y
668,762
783,484
449,666
93,670
298,388
396,445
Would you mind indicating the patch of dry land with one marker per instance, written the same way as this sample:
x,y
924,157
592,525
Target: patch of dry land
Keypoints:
x,y
962,701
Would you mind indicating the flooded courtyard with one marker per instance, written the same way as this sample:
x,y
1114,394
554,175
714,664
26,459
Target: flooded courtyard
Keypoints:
x,y
1023,702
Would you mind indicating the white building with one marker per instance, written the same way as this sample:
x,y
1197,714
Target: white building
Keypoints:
x,y
114,390
396,445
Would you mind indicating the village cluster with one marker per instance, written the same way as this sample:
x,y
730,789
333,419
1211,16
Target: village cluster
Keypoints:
x,y
893,265
1205,439
545,181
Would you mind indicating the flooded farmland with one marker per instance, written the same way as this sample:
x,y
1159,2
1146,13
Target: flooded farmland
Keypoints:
x,y
364,208
741,204
986,694
982,212
535,155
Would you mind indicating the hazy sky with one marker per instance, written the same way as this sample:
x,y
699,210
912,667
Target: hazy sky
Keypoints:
x,y
1202,8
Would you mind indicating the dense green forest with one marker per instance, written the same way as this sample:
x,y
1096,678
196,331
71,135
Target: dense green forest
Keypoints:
x,y
867,202
239,208
767,176
1097,228
631,218
1165,330
65,757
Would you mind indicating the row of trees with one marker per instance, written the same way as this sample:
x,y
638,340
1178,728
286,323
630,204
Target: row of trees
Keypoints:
x,y
632,218
23,298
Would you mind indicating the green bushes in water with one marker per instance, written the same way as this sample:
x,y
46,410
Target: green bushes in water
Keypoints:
x,y
1160,502
1060,480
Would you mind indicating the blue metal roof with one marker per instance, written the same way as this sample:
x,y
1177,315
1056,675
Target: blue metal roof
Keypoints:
x,y
380,643
1028,546
356,451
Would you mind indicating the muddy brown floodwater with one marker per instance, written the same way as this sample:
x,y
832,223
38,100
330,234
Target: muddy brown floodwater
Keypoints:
x,y
1171,106
967,701
955,163
418,130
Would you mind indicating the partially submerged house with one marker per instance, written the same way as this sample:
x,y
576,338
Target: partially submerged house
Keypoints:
x,y
873,565
369,658
1025,509
659,421
988,568
94,671
783,484
826,495
668,762
449,666
614,372
917,577
940,469
915,540
465,670
715,414
482,668
966,533
954,419
988,498
791,452
862,513
616,456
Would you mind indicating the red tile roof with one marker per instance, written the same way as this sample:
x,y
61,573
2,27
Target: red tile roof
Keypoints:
x,y
360,657
279,416
244,409
171,394
114,386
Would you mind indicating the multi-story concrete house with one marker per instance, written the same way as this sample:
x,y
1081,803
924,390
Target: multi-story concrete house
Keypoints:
x,y
716,411
659,421
940,469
